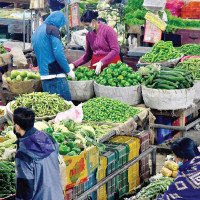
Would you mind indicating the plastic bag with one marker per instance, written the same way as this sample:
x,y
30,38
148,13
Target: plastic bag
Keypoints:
x,y
79,38
75,113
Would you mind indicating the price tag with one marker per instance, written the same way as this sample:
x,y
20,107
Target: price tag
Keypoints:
x,y
152,33
155,20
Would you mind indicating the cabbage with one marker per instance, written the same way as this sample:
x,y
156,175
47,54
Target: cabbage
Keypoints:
x,y
69,123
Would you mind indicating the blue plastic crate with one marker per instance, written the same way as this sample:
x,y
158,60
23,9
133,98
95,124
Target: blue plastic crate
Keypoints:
x,y
163,134
91,182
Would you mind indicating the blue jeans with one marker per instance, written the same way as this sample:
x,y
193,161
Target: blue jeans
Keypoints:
x,y
58,86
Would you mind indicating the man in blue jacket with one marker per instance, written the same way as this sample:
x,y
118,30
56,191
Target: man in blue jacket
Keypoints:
x,y
37,167
51,59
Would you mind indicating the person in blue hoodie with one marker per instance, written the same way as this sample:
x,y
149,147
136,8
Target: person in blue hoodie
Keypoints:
x,y
49,51
37,166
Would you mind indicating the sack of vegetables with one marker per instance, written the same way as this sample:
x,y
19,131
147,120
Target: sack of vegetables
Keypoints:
x,y
82,88
162,53
119,82
168,89
22,81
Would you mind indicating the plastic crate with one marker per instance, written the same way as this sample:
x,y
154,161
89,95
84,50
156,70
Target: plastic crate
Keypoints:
x,y
78,190
133,144
121,153
101,175
68,194
191,11
92,158
110,167
91,182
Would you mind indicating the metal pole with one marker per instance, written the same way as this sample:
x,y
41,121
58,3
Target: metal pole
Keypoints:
x,y
67,20
24,29
153,157
151,149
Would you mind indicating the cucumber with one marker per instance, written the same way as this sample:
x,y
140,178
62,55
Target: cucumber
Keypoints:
x,y
163,81
171,78
167,87
172,73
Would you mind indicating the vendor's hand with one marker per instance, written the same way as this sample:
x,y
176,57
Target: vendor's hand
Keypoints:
x,y
71,66
98,67
71,74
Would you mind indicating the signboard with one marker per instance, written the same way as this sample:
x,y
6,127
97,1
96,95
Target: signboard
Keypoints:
x,y
152,33
74,13
155,20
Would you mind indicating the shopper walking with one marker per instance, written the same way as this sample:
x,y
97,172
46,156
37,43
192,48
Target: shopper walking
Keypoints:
x,y
51,59
187,183
102,46
37,167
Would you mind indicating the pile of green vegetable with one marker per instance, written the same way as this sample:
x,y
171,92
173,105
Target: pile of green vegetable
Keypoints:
x,y
169,78
84,74
161,51
2,50
103,109
42,103
192,65
22,75
7,178
190,49
149,68
71,137
155,189
119,75
134,14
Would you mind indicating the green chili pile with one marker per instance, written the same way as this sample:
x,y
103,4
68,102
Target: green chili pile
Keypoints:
x,y
192,65
42,103
161,51
7,178
190,49
103,109
155,189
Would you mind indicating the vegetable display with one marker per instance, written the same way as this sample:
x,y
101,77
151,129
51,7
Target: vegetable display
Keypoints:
x,y
7,178
22,75
7,144
2,50
170,79
155,189
103,109
190,49
192,65
42,103
119,75
73,137
149,68
84,74
161,51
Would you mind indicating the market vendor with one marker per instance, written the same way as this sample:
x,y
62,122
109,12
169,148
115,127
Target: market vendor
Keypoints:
x,y
187,183
102,46
53,65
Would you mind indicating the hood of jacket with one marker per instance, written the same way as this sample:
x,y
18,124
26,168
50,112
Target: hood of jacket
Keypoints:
x,y
57,19
37,144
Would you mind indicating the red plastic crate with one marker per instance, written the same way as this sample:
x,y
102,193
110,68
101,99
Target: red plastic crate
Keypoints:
x,y
68,194
191,11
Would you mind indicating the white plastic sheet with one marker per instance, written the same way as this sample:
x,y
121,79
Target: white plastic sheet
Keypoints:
x,y
131,95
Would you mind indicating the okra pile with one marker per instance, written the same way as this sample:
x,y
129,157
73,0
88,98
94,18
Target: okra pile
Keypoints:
x,y
103,109
155,189
42,103
7,178
161,51
170,79
190,49
192,65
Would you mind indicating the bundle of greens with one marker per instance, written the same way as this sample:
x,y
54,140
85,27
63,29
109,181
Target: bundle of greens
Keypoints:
x,y
7,178
190,49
